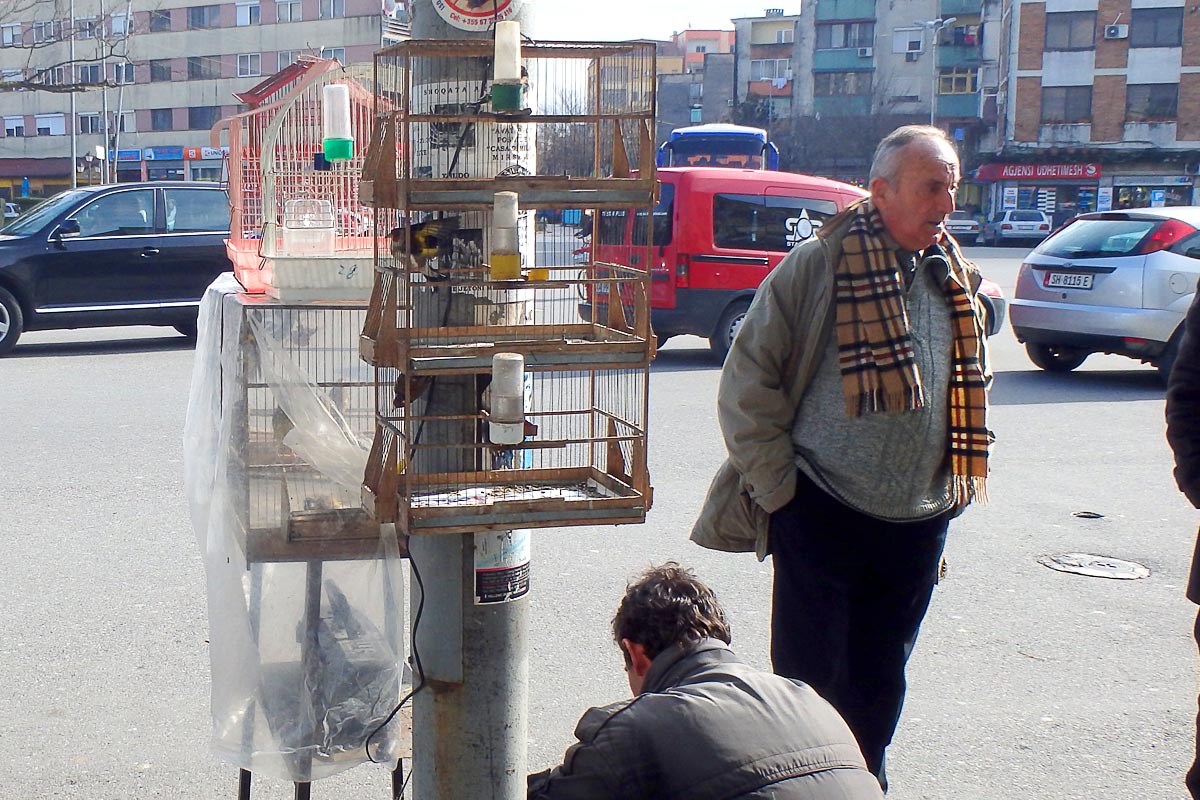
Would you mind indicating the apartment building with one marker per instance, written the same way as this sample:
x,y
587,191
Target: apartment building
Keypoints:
x,y
695,83
171,72
1100,107
768,52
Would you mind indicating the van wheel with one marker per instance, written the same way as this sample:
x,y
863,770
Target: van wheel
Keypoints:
x,y
1055,359
727,328
11,321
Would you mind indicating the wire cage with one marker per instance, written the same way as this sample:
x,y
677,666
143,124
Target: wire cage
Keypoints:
x,y
298,230
447,297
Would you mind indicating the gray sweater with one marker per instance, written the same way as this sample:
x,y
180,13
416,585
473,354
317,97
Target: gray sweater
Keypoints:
x,y
890,466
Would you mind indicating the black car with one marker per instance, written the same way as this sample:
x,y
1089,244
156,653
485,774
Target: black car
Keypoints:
x,y
123,254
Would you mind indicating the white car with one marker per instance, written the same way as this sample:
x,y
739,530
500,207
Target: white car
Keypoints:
x,y
963,227
1016,226
1109,282
11,211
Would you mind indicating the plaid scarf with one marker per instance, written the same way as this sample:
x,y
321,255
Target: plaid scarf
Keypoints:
x,y
875,351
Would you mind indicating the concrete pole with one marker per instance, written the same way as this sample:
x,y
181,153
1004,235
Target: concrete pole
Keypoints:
x,y
470,722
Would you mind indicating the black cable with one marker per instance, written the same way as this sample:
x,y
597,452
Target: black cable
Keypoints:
x,y
420,670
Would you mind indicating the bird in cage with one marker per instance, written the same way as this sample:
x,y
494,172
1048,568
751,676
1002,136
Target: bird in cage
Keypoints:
x,y
426,241
420,385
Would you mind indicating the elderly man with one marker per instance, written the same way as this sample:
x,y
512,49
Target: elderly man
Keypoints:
x,y
702,725
853,405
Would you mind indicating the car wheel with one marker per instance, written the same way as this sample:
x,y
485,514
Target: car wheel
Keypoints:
x,y
11,321
1053,358
188,329
727,328
968,241
1166,360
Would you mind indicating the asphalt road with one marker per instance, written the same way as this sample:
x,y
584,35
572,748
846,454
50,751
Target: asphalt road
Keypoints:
x,y
1026,682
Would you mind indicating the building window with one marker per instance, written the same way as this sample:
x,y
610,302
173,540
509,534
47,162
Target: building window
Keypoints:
x,y
1152,101
162,119
127,122
90,73
834,84
202,68
1066,104
1156,27
288,11
334,52
10,35
55,76
249,65
47,31
958,80
85,28
768,69
333,9
89,123
1072,30
160,21
287,58
785,36
119,24
907,40
201,118
14,126
160,70
123,73
845,34
247,14
199,17
50,124
9,76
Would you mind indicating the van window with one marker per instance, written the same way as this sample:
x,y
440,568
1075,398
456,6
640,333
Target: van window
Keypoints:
x,y
758,222
611,228
662,218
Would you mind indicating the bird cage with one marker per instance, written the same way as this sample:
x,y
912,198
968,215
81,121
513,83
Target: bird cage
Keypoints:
x,y
450,293
298,230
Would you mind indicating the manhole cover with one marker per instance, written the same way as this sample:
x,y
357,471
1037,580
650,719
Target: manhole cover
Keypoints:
x,y
1095,566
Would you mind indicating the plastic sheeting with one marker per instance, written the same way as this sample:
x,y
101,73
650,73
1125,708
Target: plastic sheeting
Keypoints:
x,y
305,593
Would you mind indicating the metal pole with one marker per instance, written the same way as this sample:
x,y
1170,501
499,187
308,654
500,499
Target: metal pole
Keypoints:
x,y
470,721
933,45
73,123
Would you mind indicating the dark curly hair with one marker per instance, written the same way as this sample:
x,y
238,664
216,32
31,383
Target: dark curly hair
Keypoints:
x,y
666,606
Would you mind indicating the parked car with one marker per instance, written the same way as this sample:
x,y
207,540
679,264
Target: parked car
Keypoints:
x,y
993,306
1016,226
11,211
1109,282
963,227
123,254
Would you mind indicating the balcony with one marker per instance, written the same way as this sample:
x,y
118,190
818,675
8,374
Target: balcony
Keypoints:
x,y
843,59
958,105
828,10
775,88
843,106
959,55
961,8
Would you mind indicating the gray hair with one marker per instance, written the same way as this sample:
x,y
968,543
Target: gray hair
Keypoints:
x,y
886,163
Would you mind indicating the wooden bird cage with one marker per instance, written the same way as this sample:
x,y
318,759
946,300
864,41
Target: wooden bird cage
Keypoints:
x,y
582,147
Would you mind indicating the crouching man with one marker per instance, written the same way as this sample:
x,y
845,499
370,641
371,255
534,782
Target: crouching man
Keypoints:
x,y
701,724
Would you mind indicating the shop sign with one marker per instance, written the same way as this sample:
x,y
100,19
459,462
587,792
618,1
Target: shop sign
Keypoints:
x,y
127,155
1104,198
164,153
1009,197
472,15
1152,180
1038,172
203,153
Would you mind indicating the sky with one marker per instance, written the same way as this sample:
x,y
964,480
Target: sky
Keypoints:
x,y
613,20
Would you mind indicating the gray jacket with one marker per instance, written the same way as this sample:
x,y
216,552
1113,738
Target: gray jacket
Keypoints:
x,y
709,727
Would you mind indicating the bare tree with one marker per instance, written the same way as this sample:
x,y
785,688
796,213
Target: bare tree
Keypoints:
x,y
41,49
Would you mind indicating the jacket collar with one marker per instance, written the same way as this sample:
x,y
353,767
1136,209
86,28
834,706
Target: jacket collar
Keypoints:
x,y
673,664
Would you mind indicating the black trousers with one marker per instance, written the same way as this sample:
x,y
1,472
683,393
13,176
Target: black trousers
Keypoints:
x,y
1193,774
849,595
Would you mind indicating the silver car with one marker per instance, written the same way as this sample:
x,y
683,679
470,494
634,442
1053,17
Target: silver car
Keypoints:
x,y
1109,282
1016,226
963,227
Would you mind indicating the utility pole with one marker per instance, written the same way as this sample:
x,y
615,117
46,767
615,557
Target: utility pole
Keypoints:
x,y
72,123
471,718
935,27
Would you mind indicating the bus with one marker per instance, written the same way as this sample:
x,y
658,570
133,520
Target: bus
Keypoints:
x,y
719,145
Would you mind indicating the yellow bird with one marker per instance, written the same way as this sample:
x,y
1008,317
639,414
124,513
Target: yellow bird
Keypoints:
x,y
426,241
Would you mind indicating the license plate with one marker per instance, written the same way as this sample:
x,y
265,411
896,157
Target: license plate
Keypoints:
x,y
1069,280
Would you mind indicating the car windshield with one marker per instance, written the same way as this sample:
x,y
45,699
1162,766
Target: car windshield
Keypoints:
x,y
41,214
959,215
1094,238
1026,216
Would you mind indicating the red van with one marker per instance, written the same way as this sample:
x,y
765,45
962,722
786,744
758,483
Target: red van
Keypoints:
x,y
717,232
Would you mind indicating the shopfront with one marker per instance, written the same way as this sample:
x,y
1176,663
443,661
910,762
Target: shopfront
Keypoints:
x,y
1062,190
204,163
1151,191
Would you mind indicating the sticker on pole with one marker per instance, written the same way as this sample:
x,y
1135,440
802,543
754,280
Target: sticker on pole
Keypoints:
x,y
501,566
476,15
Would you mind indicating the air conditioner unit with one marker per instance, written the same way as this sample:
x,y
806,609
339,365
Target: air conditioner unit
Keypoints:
x,y
866,52
912,56
1116,31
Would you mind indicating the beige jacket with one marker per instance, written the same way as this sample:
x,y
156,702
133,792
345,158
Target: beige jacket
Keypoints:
x,y
769,367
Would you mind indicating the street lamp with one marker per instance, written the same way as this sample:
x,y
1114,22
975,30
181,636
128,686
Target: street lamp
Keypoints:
x,y
935,27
